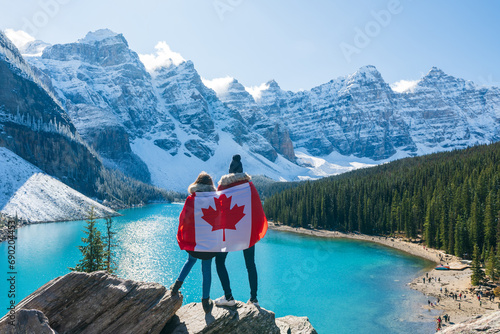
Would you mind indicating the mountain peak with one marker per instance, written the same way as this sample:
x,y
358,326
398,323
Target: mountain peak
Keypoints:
x,y
368,73
368,68
272,84
101,35
435,72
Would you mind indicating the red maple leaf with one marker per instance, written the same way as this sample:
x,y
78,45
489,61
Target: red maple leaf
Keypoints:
x,y
223,217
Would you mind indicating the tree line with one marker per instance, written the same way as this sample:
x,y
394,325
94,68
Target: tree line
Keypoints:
x,y
450,200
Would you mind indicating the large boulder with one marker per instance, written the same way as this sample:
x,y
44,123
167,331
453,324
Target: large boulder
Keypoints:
x,y
295,325
101,303
27,321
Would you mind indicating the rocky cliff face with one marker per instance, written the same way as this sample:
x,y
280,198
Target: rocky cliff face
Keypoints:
x,y
273,130
147,122
34,126
102,303
107,93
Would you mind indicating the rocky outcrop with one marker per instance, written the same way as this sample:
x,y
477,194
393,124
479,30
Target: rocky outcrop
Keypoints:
x,y
241,319
487,324
101,303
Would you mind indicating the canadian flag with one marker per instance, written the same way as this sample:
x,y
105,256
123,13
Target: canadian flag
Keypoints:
x,y
222,221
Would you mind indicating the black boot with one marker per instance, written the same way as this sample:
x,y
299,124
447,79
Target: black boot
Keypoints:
x,y
207,305
176,286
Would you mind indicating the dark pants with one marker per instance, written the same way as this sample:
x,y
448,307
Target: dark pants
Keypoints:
x,y
220,263
206,269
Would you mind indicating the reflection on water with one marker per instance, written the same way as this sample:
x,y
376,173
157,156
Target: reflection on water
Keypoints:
x,y
343,286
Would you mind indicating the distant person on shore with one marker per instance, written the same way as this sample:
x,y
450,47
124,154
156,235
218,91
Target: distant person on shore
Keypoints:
x,y
236,177
203,183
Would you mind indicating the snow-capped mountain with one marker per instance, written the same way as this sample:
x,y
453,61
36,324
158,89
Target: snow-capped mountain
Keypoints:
x,y
30,194
361,115
164,123
146,123
35,127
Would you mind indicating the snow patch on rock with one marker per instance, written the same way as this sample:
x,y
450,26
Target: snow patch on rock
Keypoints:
x,y
29,193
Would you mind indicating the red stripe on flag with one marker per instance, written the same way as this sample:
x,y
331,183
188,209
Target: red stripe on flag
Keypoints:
x,y
186,236
259,220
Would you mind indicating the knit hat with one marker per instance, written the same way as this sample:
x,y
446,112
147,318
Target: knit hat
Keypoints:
x,y
236,166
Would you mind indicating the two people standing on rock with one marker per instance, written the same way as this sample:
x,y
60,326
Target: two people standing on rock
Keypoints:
x,y
204,183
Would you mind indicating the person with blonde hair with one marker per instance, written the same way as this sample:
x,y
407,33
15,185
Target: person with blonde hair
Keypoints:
x,y
203,183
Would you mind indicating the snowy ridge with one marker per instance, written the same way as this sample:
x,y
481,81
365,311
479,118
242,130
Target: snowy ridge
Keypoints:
x,y
32,195
9,53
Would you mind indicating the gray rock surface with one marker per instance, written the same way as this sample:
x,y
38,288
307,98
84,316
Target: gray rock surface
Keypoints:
x,y
102,303
295,325
240,319
27,322
486,324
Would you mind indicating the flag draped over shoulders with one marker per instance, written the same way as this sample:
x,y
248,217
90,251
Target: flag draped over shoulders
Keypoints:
x,y
223,221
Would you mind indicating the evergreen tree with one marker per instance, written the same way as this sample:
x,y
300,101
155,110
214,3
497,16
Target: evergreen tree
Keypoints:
x,y
489,221
477,277
93,250
492,265
109,263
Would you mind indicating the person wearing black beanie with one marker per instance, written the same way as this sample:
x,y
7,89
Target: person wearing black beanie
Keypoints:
x,y
236,166
234,178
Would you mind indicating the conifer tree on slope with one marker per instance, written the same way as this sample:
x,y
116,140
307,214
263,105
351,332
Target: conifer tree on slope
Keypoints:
x,y
477,277
93,250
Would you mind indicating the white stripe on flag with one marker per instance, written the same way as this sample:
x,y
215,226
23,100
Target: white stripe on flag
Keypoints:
x,y
212,241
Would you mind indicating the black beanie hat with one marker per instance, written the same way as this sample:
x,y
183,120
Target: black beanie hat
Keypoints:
x,y
236,166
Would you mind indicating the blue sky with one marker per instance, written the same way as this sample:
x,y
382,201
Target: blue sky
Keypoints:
x,y
300,44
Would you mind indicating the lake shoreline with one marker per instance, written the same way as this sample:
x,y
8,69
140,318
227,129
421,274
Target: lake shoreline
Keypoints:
x,y
456,281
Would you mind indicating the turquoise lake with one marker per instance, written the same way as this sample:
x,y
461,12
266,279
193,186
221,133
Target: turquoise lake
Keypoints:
x,y
343,286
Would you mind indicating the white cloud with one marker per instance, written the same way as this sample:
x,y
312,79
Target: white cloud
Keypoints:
x,y
404,86
18,37
256,91
219,85
164,57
